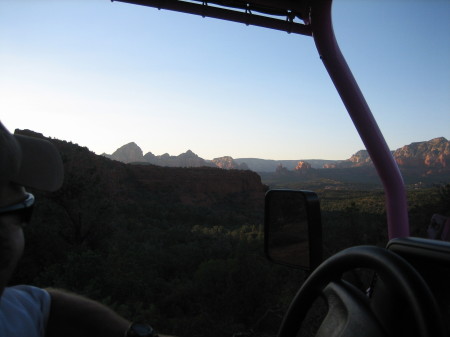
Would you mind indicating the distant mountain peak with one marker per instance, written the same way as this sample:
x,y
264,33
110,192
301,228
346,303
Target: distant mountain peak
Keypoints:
x,y
188,154
128,153
438,140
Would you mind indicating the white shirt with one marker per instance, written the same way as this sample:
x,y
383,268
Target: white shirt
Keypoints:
x,y
24,311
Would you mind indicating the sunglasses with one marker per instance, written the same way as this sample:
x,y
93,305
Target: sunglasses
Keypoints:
x,y
23,208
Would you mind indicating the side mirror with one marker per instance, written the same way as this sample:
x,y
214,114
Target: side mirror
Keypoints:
x,y
293,229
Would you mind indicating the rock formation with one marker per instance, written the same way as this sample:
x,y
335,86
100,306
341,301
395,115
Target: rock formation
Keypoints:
x,y
432,154
229,163
281,170
187,159
128,153
131,153
302,166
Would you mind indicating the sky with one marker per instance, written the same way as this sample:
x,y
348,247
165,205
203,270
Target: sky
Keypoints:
x,y
102,74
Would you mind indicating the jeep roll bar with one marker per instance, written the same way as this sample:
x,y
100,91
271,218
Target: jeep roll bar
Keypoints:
x,y
316,14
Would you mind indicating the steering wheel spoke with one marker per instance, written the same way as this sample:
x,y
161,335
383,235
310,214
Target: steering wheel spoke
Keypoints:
x,y
349,313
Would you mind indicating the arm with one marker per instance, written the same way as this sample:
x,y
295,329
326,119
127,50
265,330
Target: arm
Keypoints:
x,y
76,316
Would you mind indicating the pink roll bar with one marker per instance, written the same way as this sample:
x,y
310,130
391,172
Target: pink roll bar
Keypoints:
x,y
359,111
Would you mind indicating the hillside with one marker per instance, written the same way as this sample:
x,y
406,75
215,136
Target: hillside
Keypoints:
x,y
182,247
202,186
155,243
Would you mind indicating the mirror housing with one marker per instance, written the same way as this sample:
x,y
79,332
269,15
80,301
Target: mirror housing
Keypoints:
x,y
293,229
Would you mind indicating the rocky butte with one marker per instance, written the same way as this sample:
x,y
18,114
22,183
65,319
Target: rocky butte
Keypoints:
x,y
433,154
302,166
228,163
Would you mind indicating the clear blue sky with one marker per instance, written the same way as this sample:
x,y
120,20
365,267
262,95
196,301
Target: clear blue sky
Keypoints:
x,y
103,74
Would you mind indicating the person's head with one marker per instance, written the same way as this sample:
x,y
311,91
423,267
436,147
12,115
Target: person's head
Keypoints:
x,y
24,162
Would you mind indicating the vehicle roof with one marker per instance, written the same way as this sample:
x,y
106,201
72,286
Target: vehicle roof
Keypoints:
x,y
284,15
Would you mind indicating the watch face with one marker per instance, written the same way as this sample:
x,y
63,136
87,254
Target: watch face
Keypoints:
x,y
141,330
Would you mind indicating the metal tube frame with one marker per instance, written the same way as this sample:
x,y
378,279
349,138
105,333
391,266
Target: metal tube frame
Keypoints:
x,y
225,14
359,111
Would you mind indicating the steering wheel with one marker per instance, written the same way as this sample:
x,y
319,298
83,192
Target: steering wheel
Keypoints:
x,y
349,310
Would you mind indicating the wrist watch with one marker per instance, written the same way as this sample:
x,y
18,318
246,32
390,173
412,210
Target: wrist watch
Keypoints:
x,y
140,330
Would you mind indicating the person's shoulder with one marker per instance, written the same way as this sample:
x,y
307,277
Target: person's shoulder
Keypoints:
x,y
28,300
26,293
24,311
